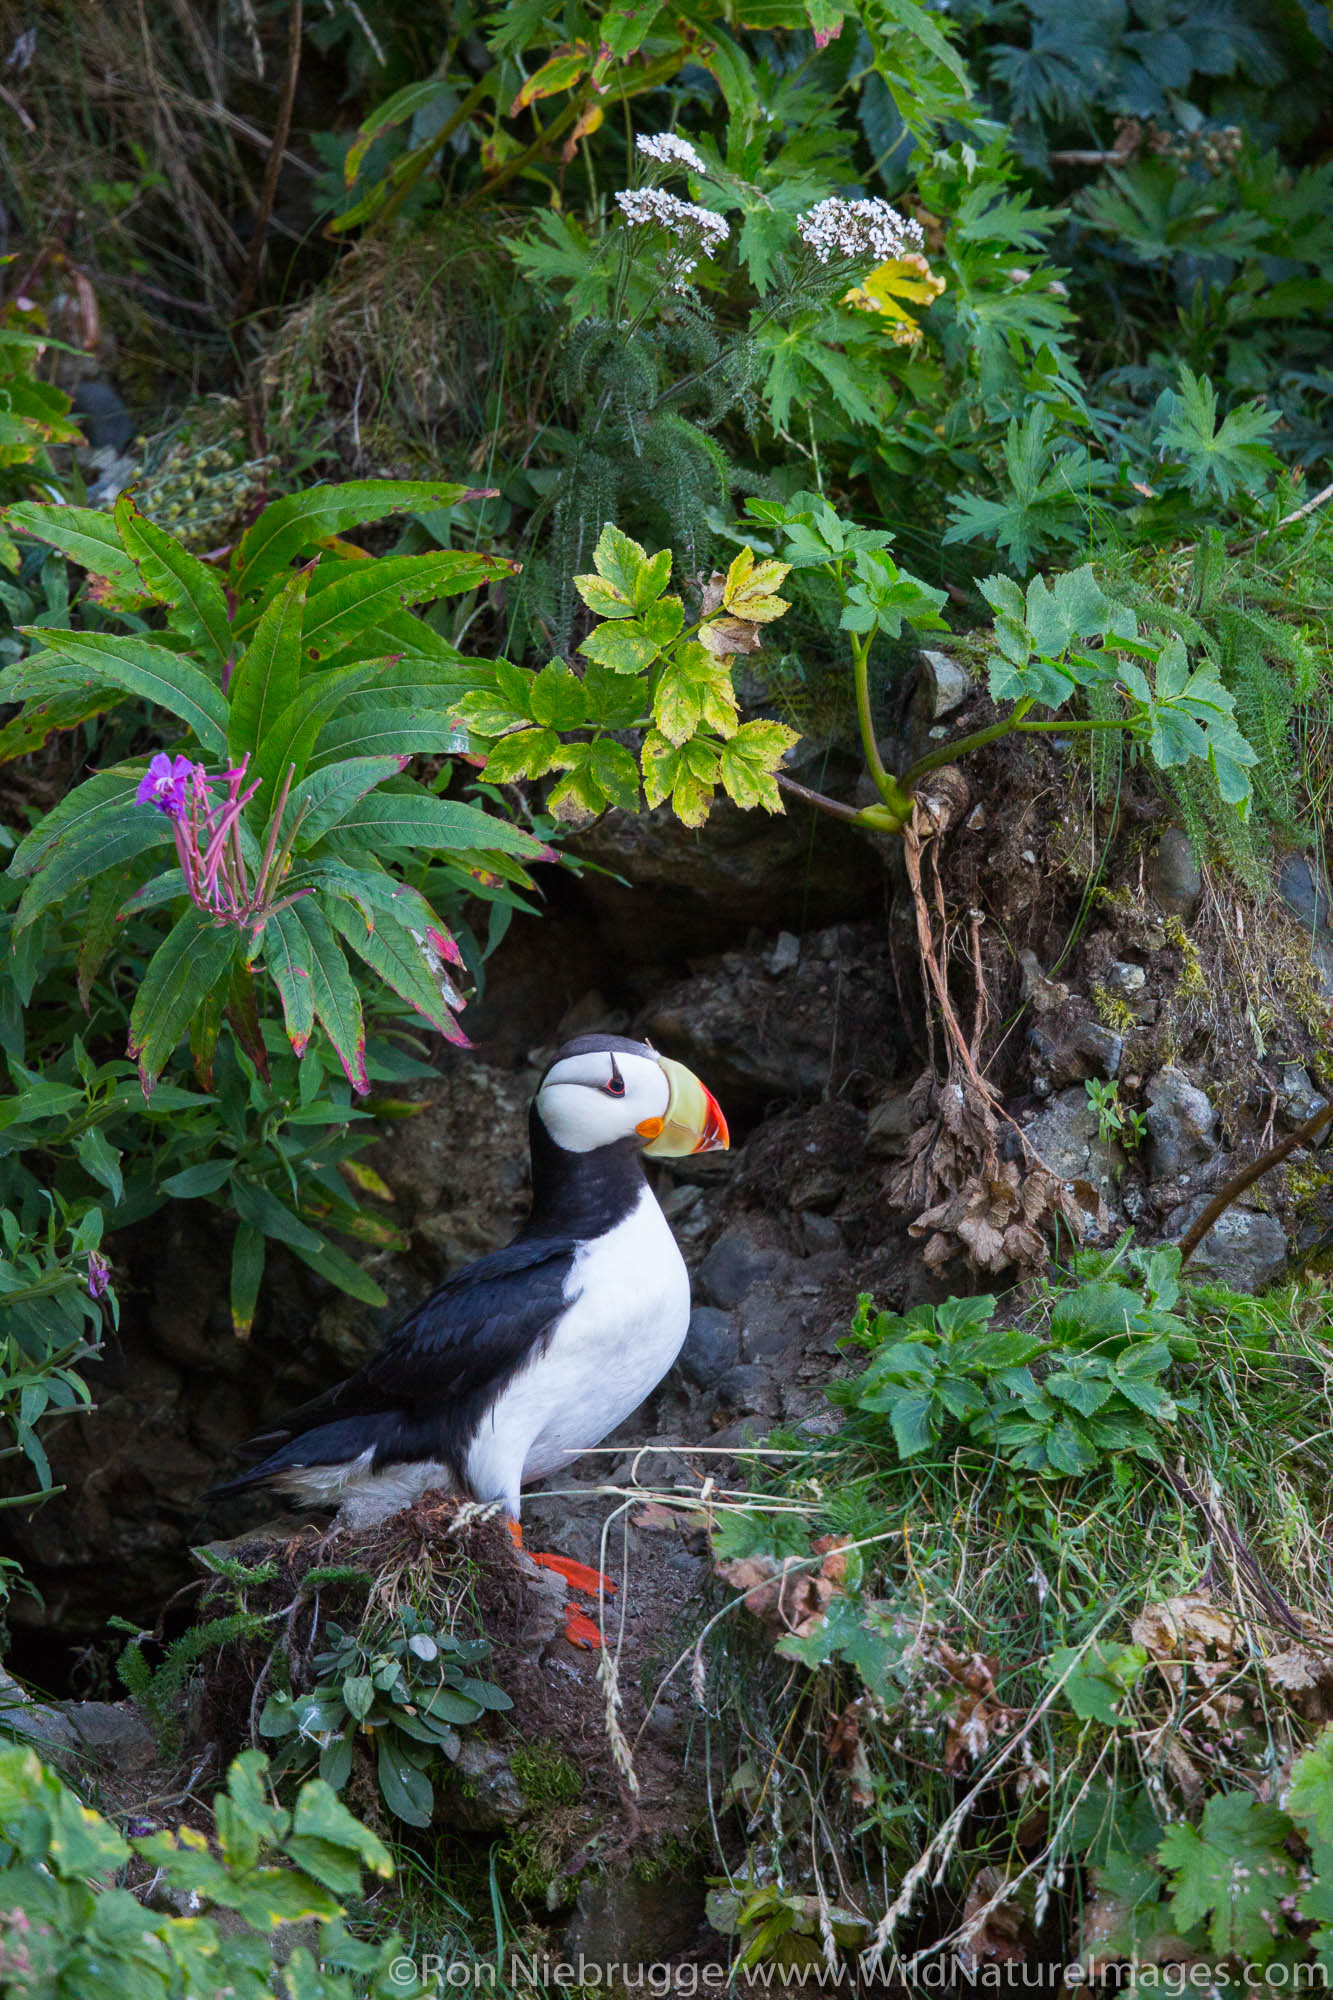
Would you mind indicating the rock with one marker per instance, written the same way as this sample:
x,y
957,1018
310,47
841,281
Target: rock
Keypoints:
x,y
1070,1050
946,684
819,1233
1321,958
1180,1121
712,1346
48,1729
1174,877
747,1391
484,1794
892,1123
1305,891
1245,1248
1065,1137
103,417
740,1258
1300,1099
1042,994
115,1733
1122,977
625,1920
785,954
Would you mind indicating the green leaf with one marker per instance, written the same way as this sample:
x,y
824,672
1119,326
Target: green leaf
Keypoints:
x,y
397,731
348,598
262,1210
407,1791
626,580
613,768
205,1178
298,521
321,799
1310,1794
629,645
248,1252
111,842
179,579
398,109
526,753
686,771
62,709
336,1002
334,1265
86,534
1231,1872
1097,1677
404,965
556,698
267,678
151,672
99,1158
415,819
99,798
291,738
1226,456
190,962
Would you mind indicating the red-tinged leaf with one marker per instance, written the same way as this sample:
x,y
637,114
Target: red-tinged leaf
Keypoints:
x,y
337,1003
558,72
405,966
190,963
286,950
154,673
63,709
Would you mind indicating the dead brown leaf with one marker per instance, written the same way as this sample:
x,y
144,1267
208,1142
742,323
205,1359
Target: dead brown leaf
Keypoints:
x,y
1003,1935
1191,1638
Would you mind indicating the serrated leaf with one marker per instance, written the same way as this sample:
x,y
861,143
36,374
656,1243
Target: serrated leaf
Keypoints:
x,y
415,819
84,855
86,534
556,697
688,772
1231,1872
749,761
695,690
751,588
527,753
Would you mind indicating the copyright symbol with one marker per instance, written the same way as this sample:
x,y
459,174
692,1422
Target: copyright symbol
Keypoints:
x,y
402,1971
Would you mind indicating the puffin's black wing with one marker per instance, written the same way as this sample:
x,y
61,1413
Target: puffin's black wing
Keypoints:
x,y
438,1369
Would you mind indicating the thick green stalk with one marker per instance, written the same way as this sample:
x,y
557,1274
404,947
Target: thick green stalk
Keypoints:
x,y
895,797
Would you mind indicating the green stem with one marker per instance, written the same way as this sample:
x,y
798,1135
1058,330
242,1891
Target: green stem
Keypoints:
x,y
472,102
41,1288
895,795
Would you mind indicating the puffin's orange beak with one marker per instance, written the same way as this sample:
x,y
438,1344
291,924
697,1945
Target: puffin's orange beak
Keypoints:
x,y
694,1122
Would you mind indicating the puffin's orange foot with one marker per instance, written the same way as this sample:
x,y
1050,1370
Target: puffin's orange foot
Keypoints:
x,y
580,1630
576,1574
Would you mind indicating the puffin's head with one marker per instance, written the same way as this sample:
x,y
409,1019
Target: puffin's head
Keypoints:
x,y
601,1089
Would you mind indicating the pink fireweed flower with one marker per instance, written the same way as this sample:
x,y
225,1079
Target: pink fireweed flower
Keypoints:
x,y
164,783
99,1275
209,846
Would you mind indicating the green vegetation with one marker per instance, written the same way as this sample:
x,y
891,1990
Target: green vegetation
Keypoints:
x,y
1027,1680
554,411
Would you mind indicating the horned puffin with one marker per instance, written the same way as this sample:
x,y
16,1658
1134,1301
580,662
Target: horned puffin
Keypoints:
x,y
529,1356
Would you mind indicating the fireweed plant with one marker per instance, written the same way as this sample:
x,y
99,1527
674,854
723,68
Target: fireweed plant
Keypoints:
x,y
285,819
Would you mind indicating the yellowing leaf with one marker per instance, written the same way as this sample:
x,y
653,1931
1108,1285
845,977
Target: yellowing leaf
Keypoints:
x,y
695,689
687,771
724,637
751,588
557,73
589,121
749,761
368,1180
883,290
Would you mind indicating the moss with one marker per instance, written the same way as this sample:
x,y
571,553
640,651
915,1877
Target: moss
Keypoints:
x,y
545,1777
1112,1011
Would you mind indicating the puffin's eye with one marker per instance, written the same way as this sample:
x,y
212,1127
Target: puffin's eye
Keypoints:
x,y
616,1087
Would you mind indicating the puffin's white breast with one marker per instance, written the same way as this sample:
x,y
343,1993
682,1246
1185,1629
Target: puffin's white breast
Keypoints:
x,y
628,1311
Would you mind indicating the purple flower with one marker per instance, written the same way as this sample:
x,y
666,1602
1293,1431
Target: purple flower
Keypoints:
x,y
163,785
99,1271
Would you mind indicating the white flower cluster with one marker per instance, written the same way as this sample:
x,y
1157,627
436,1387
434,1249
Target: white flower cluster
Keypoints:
x,y
669,150
839,228
698,228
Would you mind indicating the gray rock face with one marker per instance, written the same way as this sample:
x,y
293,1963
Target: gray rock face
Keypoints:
x,y
891,1125
115,1733
1065,1135
947,685
1181,1124
1300,1099
621,1919
1174,879
741,1256
712,1346
1245,1248
1304,889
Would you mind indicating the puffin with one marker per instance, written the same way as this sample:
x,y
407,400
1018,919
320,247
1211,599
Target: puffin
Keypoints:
x,y
533,1354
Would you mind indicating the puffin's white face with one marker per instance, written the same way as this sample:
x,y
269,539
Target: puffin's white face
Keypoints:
x,y
592,1100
